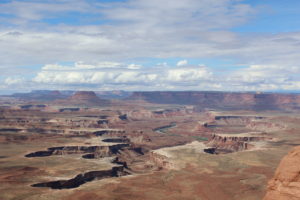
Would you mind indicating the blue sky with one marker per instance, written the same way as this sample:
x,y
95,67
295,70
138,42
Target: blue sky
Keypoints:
x,y
275,16
226,45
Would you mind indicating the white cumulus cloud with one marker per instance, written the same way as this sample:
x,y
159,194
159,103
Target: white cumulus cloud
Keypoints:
x,y
129,75
182,63
13,80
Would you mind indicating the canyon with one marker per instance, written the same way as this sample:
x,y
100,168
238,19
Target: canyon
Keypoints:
x,y
148,145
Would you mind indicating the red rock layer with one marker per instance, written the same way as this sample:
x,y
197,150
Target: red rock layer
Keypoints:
x,y
285,184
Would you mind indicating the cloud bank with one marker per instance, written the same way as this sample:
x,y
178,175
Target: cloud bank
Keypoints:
x,y
38,33
116,76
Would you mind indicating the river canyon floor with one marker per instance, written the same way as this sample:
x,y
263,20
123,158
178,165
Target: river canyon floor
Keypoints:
x,y
140,150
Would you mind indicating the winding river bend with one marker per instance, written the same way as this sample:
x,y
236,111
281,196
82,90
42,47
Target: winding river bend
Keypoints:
x,y
164,129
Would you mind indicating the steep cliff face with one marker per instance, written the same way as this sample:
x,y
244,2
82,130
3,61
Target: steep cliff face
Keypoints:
x,y
234,120
285,184
258,101
227,144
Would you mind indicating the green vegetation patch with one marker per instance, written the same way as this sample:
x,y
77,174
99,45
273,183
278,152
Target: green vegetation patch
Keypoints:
x,y
199,138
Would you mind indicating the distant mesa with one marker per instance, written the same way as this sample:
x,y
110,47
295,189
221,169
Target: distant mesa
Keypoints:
x,y
115,94
88,98
200,99
84,96
50,95
55,93
40,95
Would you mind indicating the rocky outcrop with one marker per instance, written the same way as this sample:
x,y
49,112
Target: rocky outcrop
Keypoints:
x,y
227,145
86,121
255,123
160,160
232,143
285,185
81,122
235,120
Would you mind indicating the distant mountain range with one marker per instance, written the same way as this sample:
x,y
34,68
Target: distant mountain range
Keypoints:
x,y
50,95
230,100
201,99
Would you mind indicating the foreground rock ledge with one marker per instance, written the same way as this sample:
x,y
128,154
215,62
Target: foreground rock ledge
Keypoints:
x,y
285,184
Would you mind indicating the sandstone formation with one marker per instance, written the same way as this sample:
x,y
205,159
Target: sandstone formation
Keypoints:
x,y
285,185
161,161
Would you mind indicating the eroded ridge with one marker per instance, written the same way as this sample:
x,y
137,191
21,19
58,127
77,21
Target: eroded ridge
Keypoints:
x,y
100,151
227,133
81,179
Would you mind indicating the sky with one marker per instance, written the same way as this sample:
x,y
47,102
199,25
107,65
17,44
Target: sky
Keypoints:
x,y
150,45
